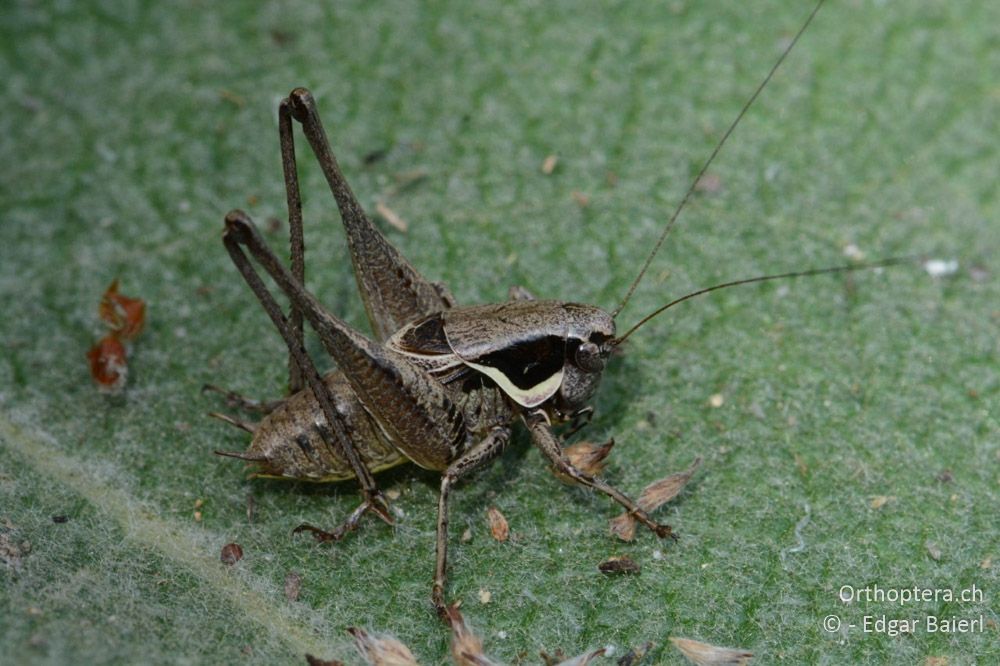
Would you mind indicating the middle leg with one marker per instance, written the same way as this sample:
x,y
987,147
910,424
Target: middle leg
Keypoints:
x,y
476,457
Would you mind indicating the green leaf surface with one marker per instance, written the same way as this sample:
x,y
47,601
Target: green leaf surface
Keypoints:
x,y
129,129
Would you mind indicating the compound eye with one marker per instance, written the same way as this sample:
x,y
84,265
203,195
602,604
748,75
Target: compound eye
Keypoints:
x,y
588,357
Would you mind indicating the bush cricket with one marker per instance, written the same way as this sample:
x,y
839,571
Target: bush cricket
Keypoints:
x,y
439,384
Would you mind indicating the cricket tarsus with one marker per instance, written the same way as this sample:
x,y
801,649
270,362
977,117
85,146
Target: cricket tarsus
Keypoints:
x,y
375,503
711,158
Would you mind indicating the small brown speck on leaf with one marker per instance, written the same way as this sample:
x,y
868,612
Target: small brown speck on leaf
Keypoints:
x,y
466,535
986,563
936,661
392,494
316,661
653,497
704,654
619,565
381,650
945,476
880,501
231,554
498,524
198,503
933,550
293,584
549,165
581,199
197,516
59,520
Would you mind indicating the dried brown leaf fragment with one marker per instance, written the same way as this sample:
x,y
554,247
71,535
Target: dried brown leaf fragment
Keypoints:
x,y
622,564
108,364
498,524
705,654
231,554
466,646
381,650
588,457
125,316
316,661
653,497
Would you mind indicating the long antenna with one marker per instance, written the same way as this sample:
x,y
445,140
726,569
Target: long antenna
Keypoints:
x,y
711,158
764,278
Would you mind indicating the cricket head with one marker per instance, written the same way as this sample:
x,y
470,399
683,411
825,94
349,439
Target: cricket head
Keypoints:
x,y
590,338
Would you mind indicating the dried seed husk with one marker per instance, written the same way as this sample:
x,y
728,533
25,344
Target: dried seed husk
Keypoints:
x,y
498,524
705,654
381,650
653,497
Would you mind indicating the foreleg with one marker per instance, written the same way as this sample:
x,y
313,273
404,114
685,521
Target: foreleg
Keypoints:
x,y
548,443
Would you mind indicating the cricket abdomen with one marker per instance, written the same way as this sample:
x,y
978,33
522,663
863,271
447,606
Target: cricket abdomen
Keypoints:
x,y
289,445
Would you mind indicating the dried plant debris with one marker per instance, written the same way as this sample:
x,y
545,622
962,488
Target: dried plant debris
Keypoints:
x,y
880,501
13,550
635,656
653,497
108,364
498,524
392,217
559,658
316,661
704,654
619,565
231,554
124,317
466,647
549,164
293,585
588,457
381,650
